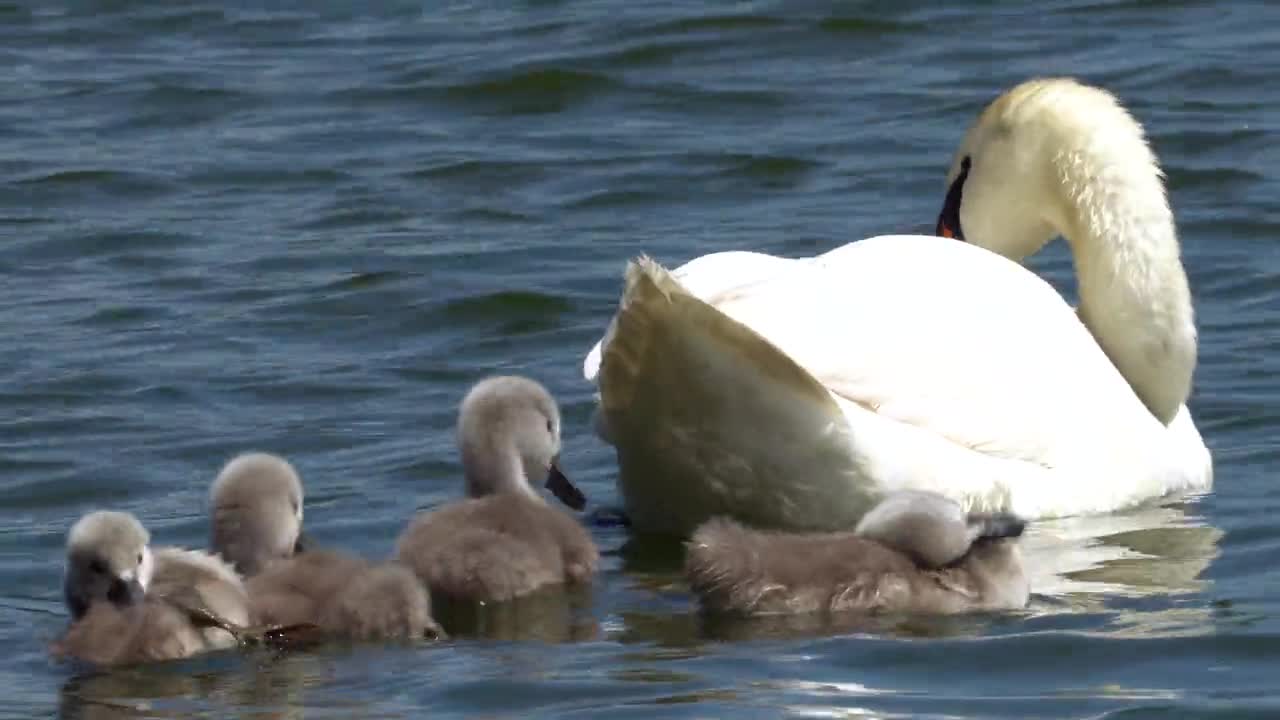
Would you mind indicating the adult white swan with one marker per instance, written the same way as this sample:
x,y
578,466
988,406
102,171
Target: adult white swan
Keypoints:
x,y
791,392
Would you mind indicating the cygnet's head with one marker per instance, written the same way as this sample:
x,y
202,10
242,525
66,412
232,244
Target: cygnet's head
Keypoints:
x,y
1010,187
509,434
933,529
107,561
256,511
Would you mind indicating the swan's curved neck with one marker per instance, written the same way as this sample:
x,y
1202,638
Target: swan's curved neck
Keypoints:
x,y
1134,295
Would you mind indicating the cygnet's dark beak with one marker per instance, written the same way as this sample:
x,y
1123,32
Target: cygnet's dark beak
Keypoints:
x,y
564,490
123,593
998,525
303,543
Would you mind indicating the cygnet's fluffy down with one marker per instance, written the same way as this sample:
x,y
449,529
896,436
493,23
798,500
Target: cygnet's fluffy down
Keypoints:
x,y
130,605
257,525
255,511
504,541
915,552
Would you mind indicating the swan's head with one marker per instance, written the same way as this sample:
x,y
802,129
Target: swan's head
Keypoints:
x,y
107,561
509,433
256,511
1014,183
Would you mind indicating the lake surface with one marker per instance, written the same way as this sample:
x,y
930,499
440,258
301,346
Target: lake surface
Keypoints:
x,y
310,228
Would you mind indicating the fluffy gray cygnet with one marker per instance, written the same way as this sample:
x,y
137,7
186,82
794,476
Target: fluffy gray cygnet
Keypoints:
x,y
256,524
130,604
914,552
503,541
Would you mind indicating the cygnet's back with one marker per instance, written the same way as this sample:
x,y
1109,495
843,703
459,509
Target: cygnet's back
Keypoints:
x,y
504,541
130,604
920,554
256,518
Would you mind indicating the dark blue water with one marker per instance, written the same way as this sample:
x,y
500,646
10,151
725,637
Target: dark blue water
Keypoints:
x,y
310,228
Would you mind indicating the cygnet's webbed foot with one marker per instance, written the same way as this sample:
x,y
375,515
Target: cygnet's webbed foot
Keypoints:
x,y
607,517
284,637
281,637
434,633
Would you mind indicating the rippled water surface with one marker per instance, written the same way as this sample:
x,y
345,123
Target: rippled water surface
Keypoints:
x,y
308,228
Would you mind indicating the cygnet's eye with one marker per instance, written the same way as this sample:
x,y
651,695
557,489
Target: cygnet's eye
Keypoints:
x,y
551,428
139,558
97,566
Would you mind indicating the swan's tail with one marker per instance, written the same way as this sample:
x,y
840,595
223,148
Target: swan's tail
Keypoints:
x,y
709,418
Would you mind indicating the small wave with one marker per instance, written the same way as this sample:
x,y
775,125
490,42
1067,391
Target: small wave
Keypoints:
x,y
866,26
116,247
514,312
493,215
119,183
505,171
603,199
362,281
281,176
354,218
718,23
1181,178
176,19
545,90
1205,141
173,103
718,101
767,167
122,315
646,53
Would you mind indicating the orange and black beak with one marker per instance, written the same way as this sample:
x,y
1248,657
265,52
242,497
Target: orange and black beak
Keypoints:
x,y
564,490
949,219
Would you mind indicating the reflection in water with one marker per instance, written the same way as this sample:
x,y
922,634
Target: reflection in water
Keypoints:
x,y
260,684
1156,549
553,615
183,688
719,627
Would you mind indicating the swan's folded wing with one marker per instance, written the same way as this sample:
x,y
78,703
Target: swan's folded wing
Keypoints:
x,y
710,278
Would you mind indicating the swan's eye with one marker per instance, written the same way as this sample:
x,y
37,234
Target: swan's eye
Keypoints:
x,y
139,558
949,219
97,566
551,428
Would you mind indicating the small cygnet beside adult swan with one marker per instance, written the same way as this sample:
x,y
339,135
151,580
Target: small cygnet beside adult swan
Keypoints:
x,y
793,393
503,541
914,552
